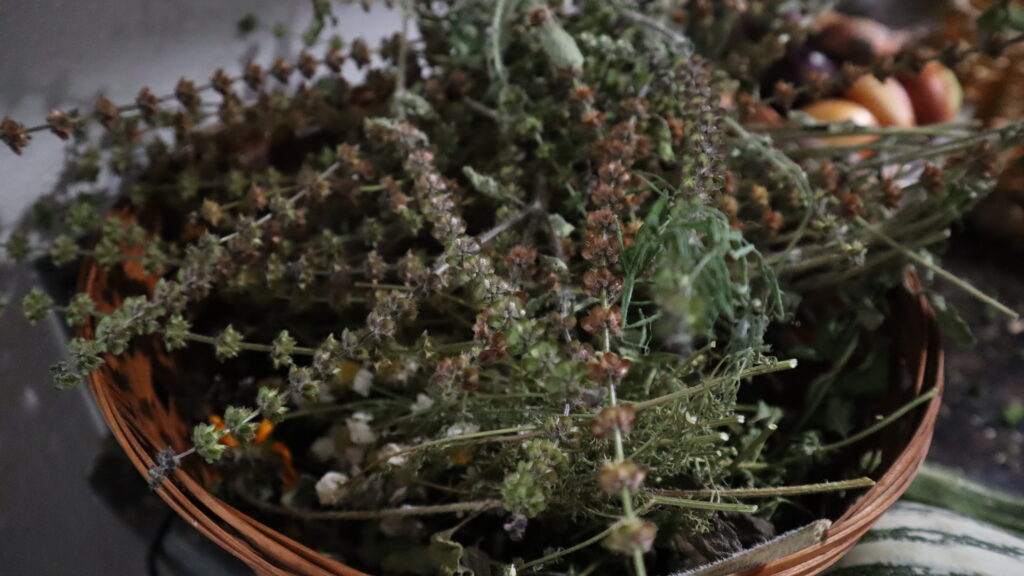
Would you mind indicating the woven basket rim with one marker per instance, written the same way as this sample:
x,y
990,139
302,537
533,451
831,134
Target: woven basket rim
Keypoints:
x,y
269,552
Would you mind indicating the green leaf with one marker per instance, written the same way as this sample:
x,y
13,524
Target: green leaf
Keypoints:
x,y
953,327
560,226
248,24
17,246
489,187
1013,414
443,556
79,310
1000,17
559,45
870,378
412,104
36,305
206,439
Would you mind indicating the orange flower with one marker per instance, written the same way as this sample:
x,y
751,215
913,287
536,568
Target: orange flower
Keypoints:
x,y
227,439
288,473
262,433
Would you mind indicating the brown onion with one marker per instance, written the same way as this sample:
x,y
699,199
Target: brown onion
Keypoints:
x,y
837,110
859,40
888,101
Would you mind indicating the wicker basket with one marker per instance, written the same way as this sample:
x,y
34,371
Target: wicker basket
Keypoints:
x,y
144,419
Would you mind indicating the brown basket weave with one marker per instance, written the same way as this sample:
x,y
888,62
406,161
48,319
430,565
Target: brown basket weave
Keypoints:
x,y
145,420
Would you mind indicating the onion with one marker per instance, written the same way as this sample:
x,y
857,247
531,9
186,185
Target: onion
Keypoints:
x,y
888,101
858,40
935,93
837,110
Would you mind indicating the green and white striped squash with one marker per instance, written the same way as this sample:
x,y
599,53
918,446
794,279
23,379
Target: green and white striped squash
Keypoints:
x,y
919,540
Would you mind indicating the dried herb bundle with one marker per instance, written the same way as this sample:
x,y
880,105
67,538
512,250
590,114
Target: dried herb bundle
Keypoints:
x,y
517,274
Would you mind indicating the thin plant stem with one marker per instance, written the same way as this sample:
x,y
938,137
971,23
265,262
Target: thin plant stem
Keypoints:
x,y
939,271
927,396
491,234
459,438
497,21
576,547
247,346
877,426
403,512
566,551
712,382
774,491
704,504
299,195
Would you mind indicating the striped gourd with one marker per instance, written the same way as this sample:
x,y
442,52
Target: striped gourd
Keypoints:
x,y
919,540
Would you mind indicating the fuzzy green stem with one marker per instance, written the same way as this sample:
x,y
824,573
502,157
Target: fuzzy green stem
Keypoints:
x,y
566,551
930,152
327,173
459,438
712,382
403,512
774,491
247,346
871,263
500,7
704,504
620,457
927,396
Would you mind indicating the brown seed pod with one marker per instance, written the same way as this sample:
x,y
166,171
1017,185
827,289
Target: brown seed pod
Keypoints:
x,y
14,135
613,418
629,536
60,124
607,369
616,476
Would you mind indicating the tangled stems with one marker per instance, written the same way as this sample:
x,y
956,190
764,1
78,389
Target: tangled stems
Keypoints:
x,y
465,304
938,270
351,515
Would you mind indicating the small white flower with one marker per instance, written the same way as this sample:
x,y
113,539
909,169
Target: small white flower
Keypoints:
x,y
422,403
461,429
324,448
392,448
409,368
359,430
353,456
332,488
363,382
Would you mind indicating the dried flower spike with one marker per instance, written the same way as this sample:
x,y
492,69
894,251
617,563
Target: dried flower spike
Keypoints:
x,y
148,103
629,536
60,124
187,94
106,112
613,418
616,476
254,76
221,82
14,135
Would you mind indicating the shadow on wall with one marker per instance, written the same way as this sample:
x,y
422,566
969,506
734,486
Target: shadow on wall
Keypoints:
x,y
63,54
